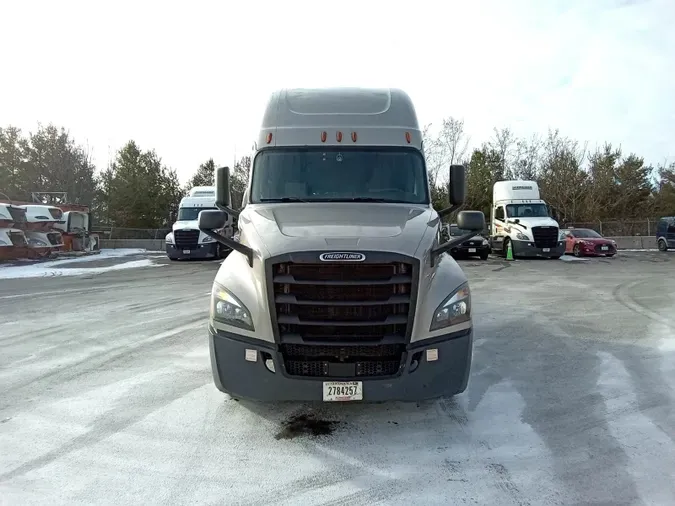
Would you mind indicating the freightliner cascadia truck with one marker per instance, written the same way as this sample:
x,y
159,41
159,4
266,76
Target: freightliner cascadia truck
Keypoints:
x,y
521,219
339,287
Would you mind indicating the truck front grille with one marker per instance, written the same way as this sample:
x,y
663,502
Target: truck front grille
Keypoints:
x,y
342,319
545,237
54,238
186,238
17,238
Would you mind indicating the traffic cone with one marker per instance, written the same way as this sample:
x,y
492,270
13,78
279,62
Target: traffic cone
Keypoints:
x,y
509,252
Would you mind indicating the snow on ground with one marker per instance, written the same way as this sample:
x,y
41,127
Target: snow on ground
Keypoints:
x,y
51,268
111,400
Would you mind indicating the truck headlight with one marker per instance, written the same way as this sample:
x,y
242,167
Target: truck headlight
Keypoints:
x,y
226,308
456,308
485,242
522,236
207,239
561,236
169,238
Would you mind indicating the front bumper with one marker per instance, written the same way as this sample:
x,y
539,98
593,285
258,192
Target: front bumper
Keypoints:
x,y
233,374
482,249
201,251
529,249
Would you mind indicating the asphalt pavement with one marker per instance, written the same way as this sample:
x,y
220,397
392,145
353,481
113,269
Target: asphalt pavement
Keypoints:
x,y
106,397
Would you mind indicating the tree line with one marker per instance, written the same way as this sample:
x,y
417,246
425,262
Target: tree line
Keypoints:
x,y
581,185
137,190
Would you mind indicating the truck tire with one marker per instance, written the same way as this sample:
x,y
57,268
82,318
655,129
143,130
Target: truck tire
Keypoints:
x,y
484,256
663,246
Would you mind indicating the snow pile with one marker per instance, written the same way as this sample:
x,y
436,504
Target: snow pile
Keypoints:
x,y
51,269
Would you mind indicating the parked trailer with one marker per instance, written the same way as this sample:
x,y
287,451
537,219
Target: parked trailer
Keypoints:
x,y
339,288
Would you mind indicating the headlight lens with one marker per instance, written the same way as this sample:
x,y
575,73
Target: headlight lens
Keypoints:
x,y
485,242
37,243
456,308
522,236
561,235
226,308
207,239
169,238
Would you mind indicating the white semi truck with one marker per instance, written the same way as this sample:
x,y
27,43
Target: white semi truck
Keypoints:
x,y
339,288
520,218
185,239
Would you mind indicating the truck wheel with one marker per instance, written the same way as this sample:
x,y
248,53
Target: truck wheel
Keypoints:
x,y
173,259
484,256
663,246
577,251
555,257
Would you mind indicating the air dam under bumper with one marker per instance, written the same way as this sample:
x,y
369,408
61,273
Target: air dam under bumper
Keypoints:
x,y
242,379
529,249
201,251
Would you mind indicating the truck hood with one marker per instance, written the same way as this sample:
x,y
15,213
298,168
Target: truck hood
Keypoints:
x,y
284,228
537,222
185,225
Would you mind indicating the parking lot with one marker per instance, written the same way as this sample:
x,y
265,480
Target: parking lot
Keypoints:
x,y
107,398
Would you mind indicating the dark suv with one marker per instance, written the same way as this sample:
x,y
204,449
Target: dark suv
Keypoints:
x,y
476,246
665,233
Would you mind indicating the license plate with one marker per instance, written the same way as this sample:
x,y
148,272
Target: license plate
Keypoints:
x,y
605,248
186,252
341,391
472,250
546,250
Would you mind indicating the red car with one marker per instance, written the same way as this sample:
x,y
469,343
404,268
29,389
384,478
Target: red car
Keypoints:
x,y
587,242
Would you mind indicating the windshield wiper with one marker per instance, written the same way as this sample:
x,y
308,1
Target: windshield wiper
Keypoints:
x,y
364,199
283,199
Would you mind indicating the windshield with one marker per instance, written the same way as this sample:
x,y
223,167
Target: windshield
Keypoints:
x,y
456,231
586,233
527,211
337,175
192,213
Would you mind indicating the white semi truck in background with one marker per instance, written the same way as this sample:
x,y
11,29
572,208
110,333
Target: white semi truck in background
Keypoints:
x,y
185,240
340,288
520,218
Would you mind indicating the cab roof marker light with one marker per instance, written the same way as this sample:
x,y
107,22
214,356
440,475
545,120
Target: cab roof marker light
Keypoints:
x,y
353,136
269,137
338,136
407,137
324,136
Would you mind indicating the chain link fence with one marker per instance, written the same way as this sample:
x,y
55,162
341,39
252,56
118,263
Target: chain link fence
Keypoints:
x,y
611,228
618,228
131,233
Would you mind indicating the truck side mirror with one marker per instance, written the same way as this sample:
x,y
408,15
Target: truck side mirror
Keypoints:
x,y
222,187
473,221
457,185
212,220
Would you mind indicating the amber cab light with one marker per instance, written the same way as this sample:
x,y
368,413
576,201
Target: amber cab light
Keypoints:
x,y
269,137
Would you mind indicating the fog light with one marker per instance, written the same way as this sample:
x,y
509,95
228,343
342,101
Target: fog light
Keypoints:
x,y
269,363
432,355
252,355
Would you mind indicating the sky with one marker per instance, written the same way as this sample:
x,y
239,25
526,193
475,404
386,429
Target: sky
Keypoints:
x,y
190,80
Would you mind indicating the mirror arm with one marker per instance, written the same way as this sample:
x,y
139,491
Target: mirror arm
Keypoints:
x,y
448,210
232,212
234,245
439,250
